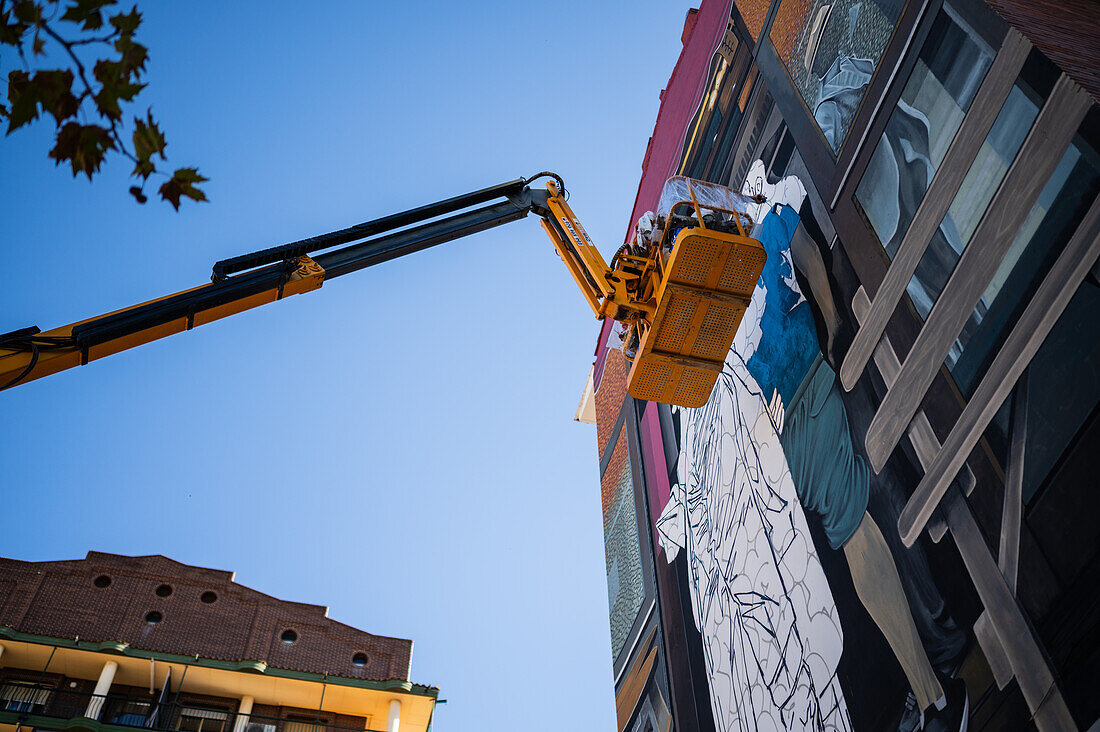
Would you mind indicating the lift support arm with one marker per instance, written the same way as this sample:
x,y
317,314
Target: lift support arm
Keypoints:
x,y
255,279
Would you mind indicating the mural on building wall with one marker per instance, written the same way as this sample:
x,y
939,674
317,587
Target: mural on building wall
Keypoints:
x,y
774,443
831,49
625,586
771,633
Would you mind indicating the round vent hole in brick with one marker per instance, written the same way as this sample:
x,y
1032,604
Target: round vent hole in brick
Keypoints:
x,y
153,617
359,660
102,581
288,636
164,591
209,597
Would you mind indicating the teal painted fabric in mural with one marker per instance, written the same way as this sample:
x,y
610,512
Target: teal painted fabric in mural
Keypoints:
x,y
829,477
788,342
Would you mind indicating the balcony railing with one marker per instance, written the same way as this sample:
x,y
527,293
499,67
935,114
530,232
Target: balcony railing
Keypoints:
x,y
24,700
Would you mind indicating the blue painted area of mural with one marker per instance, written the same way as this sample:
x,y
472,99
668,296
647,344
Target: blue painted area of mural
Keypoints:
x,y
788,345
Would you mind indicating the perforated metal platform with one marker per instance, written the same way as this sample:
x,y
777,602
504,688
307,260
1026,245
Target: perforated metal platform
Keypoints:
x,y
710,278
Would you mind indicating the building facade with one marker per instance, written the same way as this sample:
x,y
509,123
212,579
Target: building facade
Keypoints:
x,y
111,643
884,516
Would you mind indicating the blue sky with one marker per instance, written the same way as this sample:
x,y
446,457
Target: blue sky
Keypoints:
x,y
399,445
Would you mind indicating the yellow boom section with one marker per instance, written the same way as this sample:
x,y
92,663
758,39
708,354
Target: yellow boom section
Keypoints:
x,y
679,297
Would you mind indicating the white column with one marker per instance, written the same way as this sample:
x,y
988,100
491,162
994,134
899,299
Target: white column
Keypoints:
x,y
242,713
393,724
106,676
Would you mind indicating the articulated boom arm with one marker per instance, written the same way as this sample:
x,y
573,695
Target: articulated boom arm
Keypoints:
x,y
262,277
680,296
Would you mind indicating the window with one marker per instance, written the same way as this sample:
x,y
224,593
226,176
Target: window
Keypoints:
x,y
714,128
201,720
20,696
831,49
288,636
209,597
164,591
102,581
303,724
129,713
1051,222
622,548
950,68
981,182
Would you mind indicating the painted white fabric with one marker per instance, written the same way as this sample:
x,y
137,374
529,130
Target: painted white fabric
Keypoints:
x,y
771,634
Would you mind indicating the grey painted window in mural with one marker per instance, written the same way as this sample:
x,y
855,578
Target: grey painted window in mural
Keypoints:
x,y
831,49
625,584
1051,222
948,72
980,184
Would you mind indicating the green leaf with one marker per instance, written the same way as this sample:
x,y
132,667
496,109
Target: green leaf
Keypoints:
x,y
144,168
27,11
84,146
127,23
148,139
11,32
182,183
38,46
87,12
116,86
23,97
54,89
138,194
133,56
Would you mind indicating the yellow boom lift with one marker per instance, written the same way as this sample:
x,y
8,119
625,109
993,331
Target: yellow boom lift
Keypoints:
x,y
680,293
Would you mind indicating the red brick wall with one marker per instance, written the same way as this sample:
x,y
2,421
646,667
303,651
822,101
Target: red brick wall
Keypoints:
x,y
754,13
60,599
609,397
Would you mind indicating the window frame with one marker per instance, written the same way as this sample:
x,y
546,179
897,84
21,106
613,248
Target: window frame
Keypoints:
x,y
626,426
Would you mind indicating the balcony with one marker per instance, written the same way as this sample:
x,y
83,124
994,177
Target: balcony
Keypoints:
x,y
46,707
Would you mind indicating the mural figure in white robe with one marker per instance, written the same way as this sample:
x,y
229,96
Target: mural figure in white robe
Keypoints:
x,y
771,634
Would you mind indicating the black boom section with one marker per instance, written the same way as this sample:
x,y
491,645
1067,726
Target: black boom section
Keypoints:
x,y
276,264
364,254
362,231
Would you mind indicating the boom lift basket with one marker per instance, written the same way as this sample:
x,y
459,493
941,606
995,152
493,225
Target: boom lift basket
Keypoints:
x,y
708,279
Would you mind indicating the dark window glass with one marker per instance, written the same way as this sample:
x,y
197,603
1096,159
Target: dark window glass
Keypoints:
x,y
714,129
18,696
128,713
201,720
1064,385
1062,204
948,72
981,182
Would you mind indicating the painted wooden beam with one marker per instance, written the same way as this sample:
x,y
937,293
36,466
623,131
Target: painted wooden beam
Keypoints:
x,y
1040,154
945,184
1036,322
921,436
1036,681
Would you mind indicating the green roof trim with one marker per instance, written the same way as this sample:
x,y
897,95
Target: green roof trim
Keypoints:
x,y
392,685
